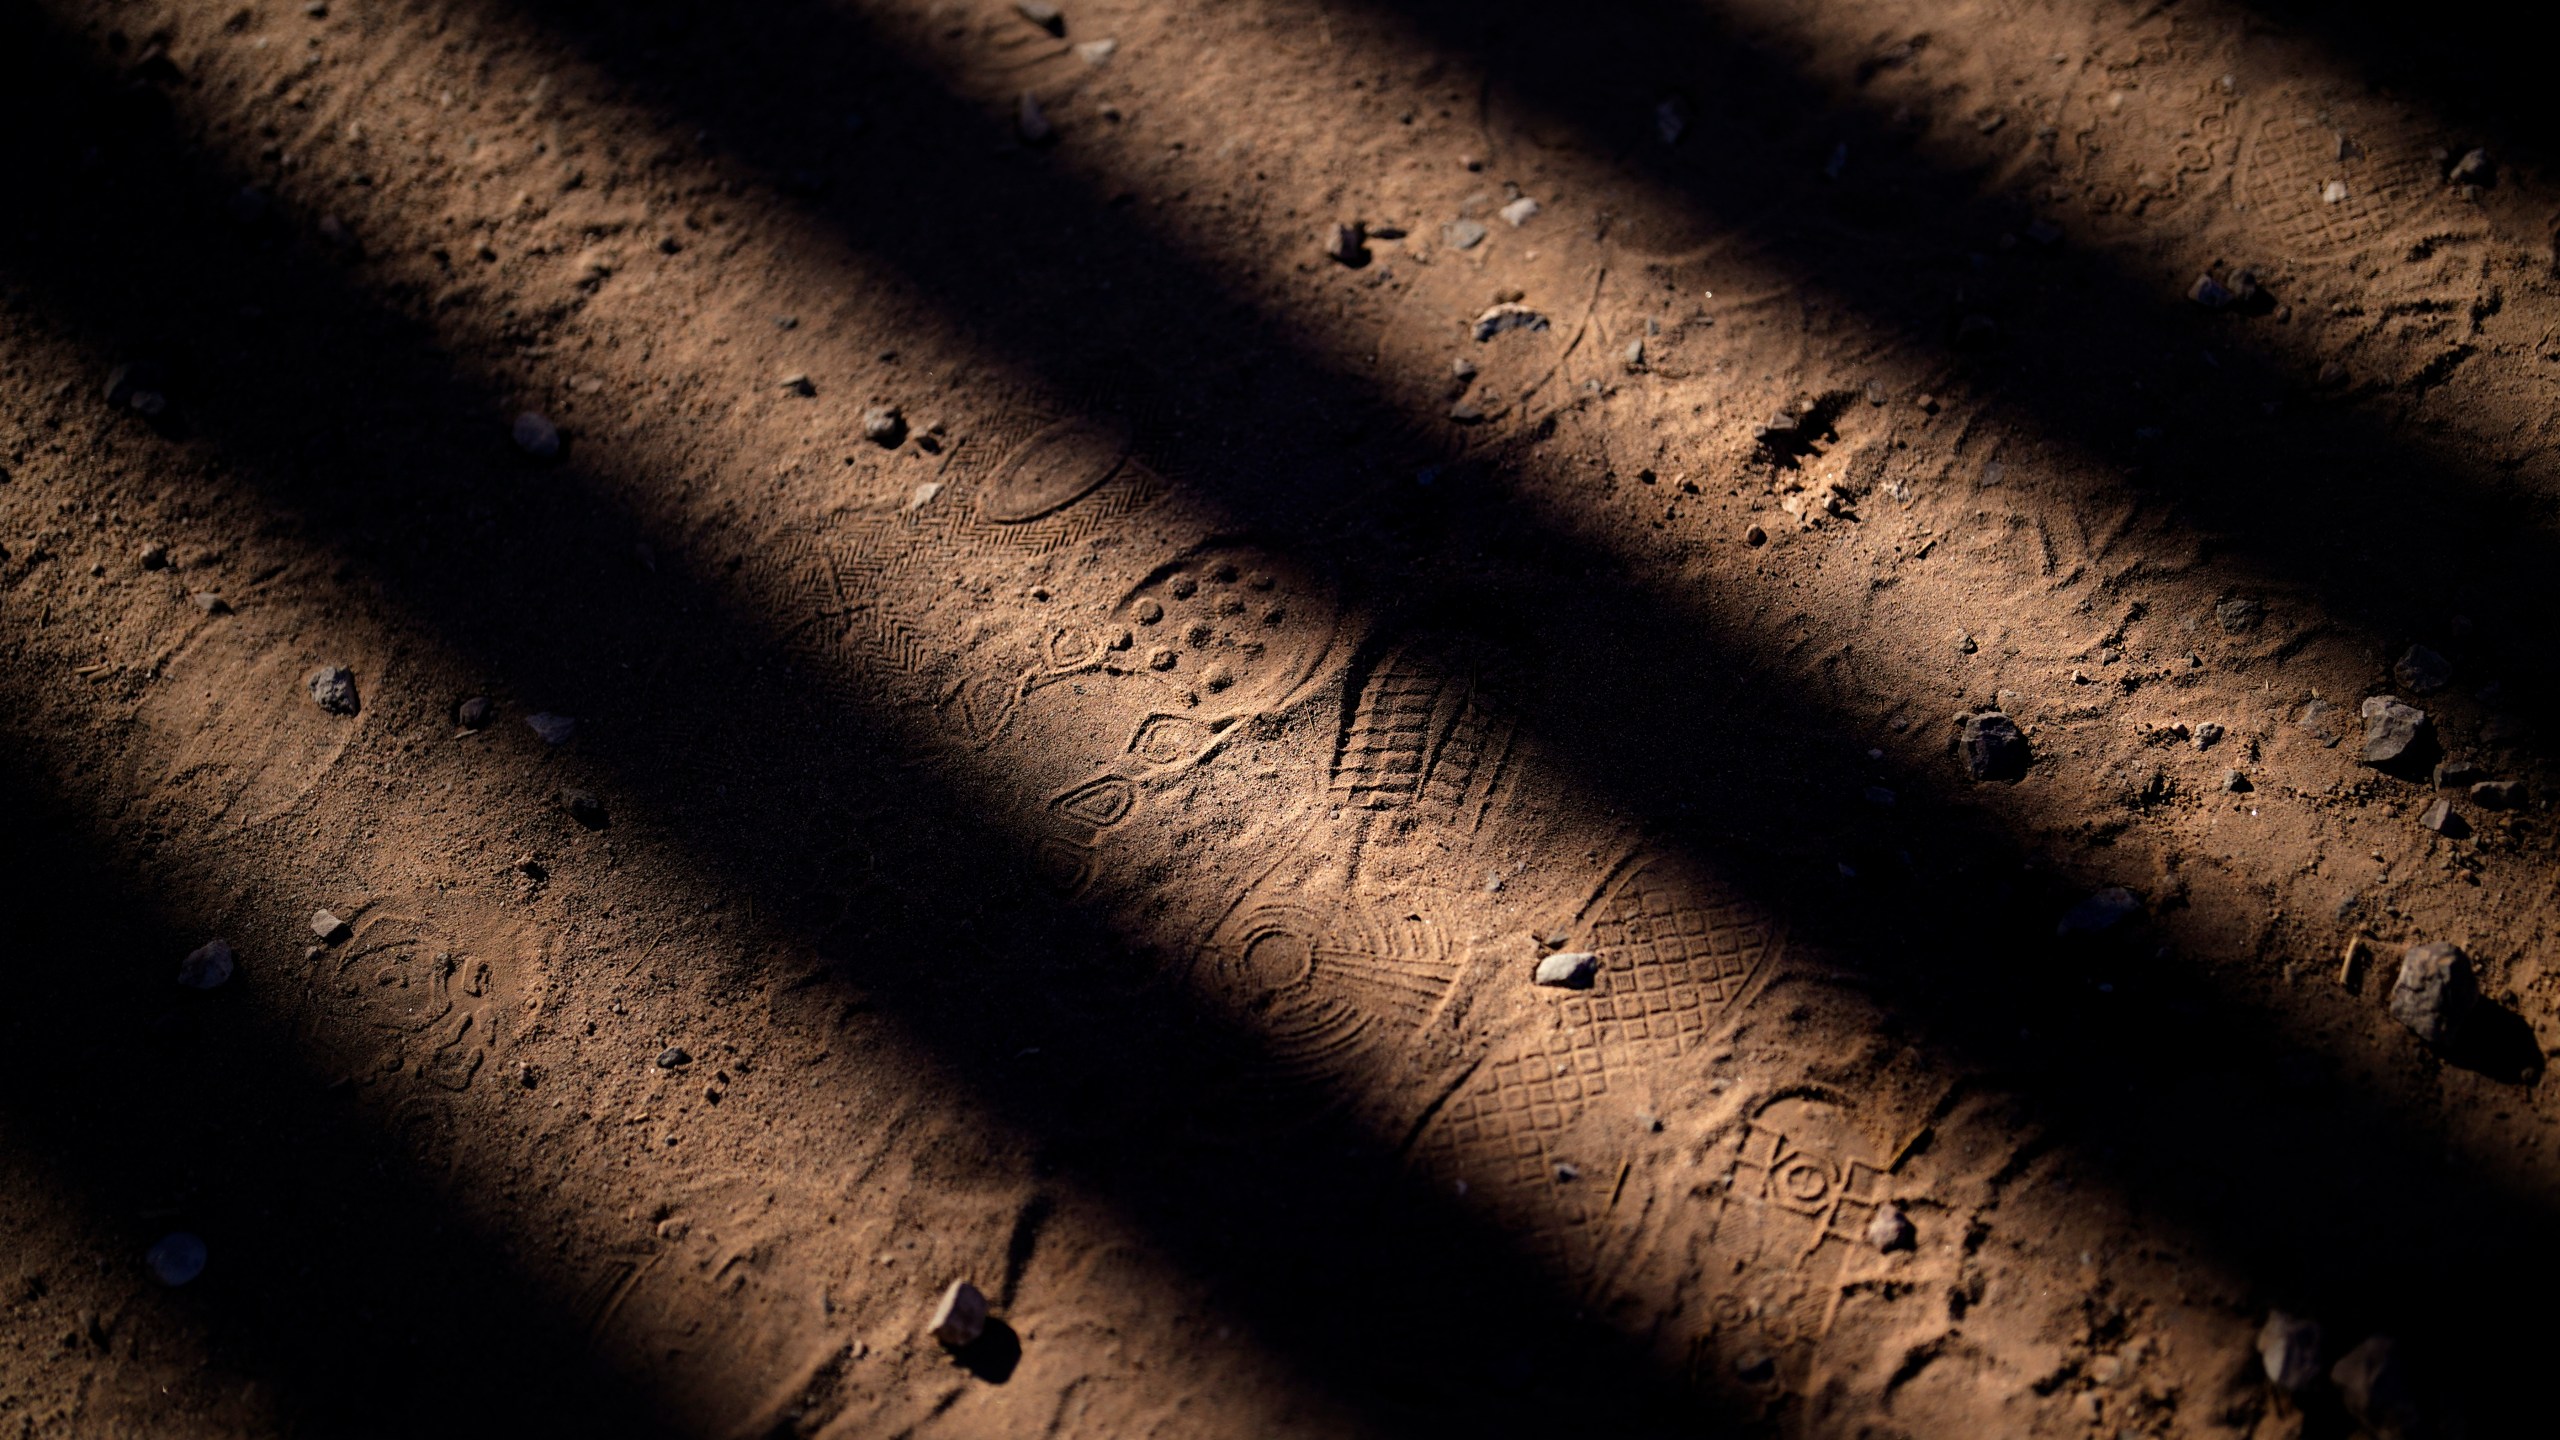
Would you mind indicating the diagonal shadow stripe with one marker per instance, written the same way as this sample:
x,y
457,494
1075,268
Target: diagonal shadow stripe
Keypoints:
x,y
1689,786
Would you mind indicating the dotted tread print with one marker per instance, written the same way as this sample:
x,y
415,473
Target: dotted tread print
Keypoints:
x,y
1677,952
2292,160
1418,734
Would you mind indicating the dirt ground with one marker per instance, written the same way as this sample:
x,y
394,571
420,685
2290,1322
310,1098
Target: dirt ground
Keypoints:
x,y
997,642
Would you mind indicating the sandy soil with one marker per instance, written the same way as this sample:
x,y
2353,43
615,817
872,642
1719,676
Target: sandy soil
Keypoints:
x,y
989,643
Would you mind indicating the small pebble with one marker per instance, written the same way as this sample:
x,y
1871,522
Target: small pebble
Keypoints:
x,y
536,436
2451,774
959,1317
554,729
329,927
2240,615
176,1258
1097,52
584,808
1568,970
1890,1229
2235,783
2435,992
1031,122
2335,192
1161,658
2422,671
1754,536
800,384
2289,1350
2375,1386
1043,14
155,556
884,426
2206,734
1506,317
1994,747
2441,818
2474,168
1463,234
2100,913
474,713
2210,293
1519,212
2498,794
206,966
1346,244
1633,357
333,688
210,603
2393,730
674,1057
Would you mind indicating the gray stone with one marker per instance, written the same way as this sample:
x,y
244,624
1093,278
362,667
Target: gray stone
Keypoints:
x,y
1890,1229
1043,14
2289,1349
584,808
2474,168
799,383
674,1057
1346,244
2457,774
1463,234
2375,1386
2100,913
2498,794
2422,671
1994,747
329,927
2440,818
475,712
155,556
2233,782
2210,293
536,436
2206,734
554,729
959,1317
206,966
2436,991
2393,730
1506,317
2239,615
1568,969
1031,122
210,603
333,688
1519,212
883,426
176,1258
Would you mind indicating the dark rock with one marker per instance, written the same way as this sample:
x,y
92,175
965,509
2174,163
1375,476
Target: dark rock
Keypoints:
x,y
674,1057
2474,168
959,1317
474,713
535,435
2239,615
206,966
333,688
330,929
883,426
584,808
2498,794
799,383
2101,912
176,1258
1507,317
2210,293
2422,671
2395,732
2457,774
1994,747
2289,1349
1347,244
2440,818
2374,1384
2436,992
141,387
2206,734
554,729
155,556
2236,783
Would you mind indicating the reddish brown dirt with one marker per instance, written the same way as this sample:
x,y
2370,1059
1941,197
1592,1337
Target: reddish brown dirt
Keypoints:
x,y
1092,833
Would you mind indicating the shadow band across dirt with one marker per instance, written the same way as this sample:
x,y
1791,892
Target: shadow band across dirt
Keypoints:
x,y
1320,1230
